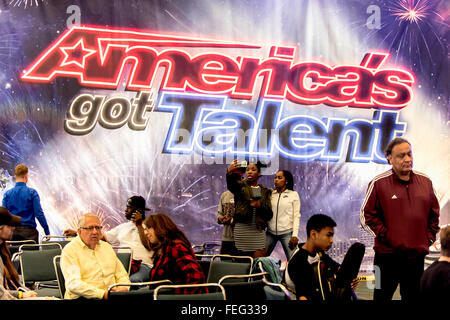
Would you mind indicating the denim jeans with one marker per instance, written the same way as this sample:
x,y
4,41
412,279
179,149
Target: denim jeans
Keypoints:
x,y
273,239
143,275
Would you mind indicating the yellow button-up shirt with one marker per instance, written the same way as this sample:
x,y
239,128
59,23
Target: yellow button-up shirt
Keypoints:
x,y
88,273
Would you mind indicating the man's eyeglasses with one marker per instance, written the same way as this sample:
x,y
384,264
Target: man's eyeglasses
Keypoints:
x,y
91,228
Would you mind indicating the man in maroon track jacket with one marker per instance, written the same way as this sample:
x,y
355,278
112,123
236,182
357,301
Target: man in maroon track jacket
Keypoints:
x,y
401,211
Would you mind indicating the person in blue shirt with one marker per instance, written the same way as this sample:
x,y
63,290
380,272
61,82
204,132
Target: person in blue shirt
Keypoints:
x,y
25,202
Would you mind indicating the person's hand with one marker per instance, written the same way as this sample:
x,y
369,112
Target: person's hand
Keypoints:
x,y
69,233
225,219
293,242
255,203
29,294
354,283
121,288
233,166
136,217
118,288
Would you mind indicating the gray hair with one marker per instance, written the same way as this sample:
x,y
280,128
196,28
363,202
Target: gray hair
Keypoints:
x,y
82,219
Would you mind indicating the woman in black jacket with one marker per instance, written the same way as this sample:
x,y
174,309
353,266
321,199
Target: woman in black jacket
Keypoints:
x,y
252,209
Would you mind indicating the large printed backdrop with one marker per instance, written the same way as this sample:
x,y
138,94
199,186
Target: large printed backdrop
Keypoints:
x,y
99,170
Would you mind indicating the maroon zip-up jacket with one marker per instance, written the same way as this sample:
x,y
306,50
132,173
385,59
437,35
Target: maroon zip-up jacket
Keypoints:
x,y
401,216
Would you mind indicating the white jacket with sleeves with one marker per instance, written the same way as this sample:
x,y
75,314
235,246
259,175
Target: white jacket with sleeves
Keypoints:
x,y
286,213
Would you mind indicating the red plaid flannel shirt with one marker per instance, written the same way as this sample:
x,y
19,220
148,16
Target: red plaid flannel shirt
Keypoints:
x,y
178,264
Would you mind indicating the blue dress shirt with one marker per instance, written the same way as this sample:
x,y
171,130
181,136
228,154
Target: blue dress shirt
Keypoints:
x,y
24,202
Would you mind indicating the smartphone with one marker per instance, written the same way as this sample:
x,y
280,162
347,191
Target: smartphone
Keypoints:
x,y
255,192
242,164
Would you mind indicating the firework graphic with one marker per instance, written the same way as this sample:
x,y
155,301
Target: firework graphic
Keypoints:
x,y
412,30
413,11
25,3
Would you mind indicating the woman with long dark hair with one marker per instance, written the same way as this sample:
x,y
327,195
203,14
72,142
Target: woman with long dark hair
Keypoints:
x,y
9,278
252,209
285,223
173,256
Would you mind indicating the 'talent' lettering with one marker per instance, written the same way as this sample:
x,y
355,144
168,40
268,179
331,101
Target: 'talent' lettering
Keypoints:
x,y
208,125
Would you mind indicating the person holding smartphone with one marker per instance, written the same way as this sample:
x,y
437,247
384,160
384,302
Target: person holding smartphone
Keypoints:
x,y
252,209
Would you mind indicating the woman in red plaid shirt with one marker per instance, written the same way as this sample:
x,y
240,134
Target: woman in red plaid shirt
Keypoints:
x,y
173,256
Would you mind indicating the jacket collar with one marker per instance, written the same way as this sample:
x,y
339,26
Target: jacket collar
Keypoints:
x,y
411,177
285,191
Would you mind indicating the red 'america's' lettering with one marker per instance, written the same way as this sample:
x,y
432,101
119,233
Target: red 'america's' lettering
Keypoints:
x,y
100,57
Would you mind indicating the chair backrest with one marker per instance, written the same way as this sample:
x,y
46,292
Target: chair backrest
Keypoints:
x,y
125,255
211,247
204,260
198,248
37,265
62,243
48,237
15,259
59,276
137,290
244,287
13,246
165,292
62,240
19,242
228,265
255,287
207,248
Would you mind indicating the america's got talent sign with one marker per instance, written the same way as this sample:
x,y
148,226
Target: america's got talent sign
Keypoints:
x,y
194,79
108,99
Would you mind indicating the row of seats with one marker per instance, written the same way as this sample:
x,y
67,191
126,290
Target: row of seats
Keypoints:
x,y
234,274
228,277
36,265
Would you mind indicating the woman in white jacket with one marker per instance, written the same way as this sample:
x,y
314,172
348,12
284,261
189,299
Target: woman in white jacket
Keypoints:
x,y
285,223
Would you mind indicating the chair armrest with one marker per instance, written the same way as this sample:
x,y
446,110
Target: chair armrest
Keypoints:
x,y
48,284
139,284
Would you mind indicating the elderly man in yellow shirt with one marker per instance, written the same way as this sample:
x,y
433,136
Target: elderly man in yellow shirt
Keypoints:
x,y
90,265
